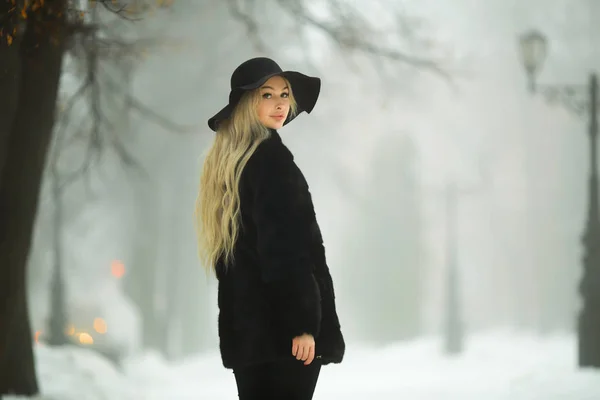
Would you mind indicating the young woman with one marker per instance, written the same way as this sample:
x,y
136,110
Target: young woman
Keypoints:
x,y
258,232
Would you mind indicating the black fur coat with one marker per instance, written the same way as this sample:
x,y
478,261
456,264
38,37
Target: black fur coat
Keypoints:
x,y
278,285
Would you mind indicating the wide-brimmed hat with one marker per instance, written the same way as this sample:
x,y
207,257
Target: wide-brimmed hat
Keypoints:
x,y
253,73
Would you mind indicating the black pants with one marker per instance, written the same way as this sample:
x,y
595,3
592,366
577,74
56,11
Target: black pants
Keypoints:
x,y
283,380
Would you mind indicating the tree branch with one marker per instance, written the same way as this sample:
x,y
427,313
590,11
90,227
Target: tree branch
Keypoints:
x,y
149,113
121,11
348,28
92,44
353,32
247,20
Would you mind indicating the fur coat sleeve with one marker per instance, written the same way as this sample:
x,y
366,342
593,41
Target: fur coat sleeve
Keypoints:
x,y
282,211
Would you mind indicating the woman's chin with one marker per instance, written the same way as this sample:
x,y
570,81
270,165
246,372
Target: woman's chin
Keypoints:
x,y
274,124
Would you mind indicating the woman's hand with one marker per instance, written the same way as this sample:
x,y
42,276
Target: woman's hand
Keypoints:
x,y
303,348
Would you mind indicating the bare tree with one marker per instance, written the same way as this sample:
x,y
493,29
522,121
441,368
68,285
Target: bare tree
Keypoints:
x,y
387,249
349,27
31,52
34,36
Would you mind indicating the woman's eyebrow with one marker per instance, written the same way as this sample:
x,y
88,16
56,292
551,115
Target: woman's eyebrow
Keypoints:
x,y
269,87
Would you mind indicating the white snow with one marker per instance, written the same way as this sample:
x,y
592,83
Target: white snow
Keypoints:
x,y
495,366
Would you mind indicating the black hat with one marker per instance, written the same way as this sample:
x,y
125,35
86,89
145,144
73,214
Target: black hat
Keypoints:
x,y
254,73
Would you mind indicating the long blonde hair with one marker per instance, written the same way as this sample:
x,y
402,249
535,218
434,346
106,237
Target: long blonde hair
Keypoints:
x,y
218,204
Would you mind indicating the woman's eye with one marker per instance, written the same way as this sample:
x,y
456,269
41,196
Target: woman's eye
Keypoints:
x,y
266,96
285,95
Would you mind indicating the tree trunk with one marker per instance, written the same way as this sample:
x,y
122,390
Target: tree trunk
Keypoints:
x,y
26,138
57,320
141,281
10,69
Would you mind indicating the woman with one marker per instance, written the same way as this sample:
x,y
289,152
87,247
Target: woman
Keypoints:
x,y
258,232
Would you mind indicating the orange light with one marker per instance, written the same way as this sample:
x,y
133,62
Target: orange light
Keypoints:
x,y
70,330
117,268
100,325
37,336
86,338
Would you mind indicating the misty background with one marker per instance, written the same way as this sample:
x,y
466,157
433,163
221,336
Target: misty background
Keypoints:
x,y
385,145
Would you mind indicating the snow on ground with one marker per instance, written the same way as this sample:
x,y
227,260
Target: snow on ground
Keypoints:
x,y
496,366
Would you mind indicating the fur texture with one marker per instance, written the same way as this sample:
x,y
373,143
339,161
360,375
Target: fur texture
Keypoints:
x,y
279,285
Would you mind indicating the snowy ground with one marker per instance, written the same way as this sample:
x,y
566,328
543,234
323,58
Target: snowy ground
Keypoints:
x,y
498,366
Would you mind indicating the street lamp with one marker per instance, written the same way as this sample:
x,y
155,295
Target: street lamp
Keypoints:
x,y
581,100
534,47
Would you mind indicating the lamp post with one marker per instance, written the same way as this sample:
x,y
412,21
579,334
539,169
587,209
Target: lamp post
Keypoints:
x,y
454,328
581,100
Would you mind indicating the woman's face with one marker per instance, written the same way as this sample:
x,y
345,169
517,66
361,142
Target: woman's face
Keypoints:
x,y
274,103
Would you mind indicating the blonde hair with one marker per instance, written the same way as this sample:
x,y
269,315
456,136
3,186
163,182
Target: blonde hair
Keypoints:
x,y
217,209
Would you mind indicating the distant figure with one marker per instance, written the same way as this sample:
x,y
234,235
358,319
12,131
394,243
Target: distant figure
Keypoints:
x,y
258,232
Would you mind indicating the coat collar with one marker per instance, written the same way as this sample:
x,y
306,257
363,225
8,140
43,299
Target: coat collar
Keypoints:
x,y
275,135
